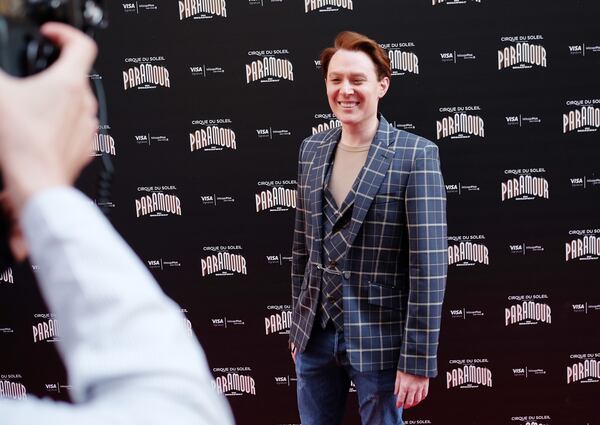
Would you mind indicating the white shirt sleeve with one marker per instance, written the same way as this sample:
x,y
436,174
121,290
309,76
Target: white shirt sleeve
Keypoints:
x,y
128,356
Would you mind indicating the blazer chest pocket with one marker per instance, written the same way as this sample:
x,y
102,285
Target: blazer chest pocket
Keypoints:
x,y
387,208
385,294
387,198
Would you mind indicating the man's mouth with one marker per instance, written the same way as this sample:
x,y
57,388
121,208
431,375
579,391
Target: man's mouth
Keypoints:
x,y
347,104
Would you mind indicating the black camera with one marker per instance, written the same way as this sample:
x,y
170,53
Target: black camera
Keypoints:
x,y
24,52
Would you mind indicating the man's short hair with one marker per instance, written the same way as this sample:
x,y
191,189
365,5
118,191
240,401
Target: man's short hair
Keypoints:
x,y
348,40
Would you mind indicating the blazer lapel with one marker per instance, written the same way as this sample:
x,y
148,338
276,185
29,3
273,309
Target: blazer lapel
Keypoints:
x,y
378,161
317,176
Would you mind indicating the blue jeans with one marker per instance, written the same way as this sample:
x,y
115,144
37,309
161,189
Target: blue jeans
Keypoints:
x,y
324,374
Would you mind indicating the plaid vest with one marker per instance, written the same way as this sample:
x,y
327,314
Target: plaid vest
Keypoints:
x,y
335,233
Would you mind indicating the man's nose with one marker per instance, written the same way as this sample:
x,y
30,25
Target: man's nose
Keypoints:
x,y
347,87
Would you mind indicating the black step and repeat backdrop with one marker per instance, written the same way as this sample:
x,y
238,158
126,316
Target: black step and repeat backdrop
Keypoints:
x,y
208,103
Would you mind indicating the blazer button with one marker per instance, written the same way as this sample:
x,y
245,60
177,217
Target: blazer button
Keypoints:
x,y
333,263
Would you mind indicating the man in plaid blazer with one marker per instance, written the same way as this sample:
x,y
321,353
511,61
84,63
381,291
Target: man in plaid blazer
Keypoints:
x,y
368,273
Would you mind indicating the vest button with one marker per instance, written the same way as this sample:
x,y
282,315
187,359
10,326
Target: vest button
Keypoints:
x,y
333,263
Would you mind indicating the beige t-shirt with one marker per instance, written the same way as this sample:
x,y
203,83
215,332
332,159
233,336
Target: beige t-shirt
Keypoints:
x,y
348,162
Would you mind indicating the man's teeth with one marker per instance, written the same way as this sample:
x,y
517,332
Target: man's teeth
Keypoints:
x,y
348,104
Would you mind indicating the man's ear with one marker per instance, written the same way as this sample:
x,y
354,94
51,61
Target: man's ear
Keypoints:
x,y
18,246
13,232
384,85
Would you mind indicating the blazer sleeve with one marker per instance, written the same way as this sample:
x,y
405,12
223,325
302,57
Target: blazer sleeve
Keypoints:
x,y
428,263
128,356
299,249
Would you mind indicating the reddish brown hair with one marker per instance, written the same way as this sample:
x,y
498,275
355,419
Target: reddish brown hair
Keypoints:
x,y
354,41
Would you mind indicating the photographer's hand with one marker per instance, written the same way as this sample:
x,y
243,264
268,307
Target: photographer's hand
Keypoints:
x,y
47,121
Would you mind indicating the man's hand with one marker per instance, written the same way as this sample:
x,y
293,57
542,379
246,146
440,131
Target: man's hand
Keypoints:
x,y
47,121
410,389
293,351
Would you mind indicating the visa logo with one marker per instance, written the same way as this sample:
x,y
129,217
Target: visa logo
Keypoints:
x,y
578,307
140,138
451,187
577,181
207,198
262,132
272,258
128,6
512,119
51,387
153,263
447,55
196,69
521,370
456,312
280,379
574,49
218,321
318,63
516,247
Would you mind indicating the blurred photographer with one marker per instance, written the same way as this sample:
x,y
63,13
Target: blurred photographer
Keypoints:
x,y
128,356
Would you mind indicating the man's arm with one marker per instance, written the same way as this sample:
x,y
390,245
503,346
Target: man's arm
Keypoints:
x,y
299,252
428,262
128,357
126,350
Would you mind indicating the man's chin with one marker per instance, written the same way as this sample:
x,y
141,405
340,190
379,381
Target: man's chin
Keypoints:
x,y
347,117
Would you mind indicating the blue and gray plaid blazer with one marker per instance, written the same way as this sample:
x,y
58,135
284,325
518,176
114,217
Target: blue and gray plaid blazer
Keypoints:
x,y
396,253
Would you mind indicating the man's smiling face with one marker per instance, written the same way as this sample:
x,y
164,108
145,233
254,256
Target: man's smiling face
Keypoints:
x,y
353,88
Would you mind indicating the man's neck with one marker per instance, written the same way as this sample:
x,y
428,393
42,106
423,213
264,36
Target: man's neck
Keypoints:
x,y
360,134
